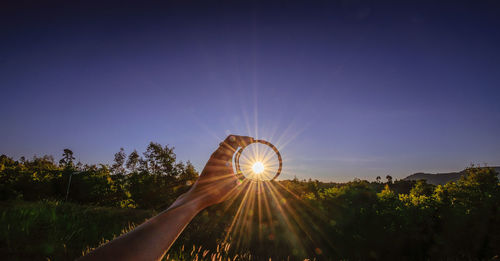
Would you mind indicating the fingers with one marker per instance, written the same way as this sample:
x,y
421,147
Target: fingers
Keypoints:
x,y
229,146
235,141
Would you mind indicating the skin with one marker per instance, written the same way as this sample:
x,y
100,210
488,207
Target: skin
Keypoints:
x,y
152,239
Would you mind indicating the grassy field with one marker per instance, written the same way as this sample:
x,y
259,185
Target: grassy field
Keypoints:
x,y
354,221
50,230
57,231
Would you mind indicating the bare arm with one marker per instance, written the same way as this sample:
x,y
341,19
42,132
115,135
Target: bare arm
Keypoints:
x,y
152,239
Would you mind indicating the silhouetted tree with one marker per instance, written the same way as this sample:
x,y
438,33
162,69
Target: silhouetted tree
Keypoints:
x,y
189,174
67,159
119,161
67,163
389,179
160,160
133,161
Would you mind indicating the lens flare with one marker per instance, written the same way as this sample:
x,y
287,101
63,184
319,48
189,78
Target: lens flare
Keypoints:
x,y
258,167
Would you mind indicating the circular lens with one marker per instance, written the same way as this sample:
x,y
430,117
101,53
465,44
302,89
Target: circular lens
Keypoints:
x,y
259,160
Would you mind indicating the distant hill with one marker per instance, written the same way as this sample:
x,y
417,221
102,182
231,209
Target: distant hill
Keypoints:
x,y
440,178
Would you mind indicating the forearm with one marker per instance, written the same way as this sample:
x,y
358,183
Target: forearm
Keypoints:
x,y
152,239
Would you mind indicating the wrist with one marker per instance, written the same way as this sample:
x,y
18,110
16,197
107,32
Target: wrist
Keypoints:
x,y
192,201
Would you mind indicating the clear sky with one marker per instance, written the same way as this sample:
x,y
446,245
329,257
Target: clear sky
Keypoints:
x,y
345,89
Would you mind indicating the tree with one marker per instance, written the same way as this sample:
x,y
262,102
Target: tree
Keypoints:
x,y
133,161
6,162
188,174
119,161
378,179
45,162
421,188
472,209
67,162
159,160
67,159
387,193
389,179
478,185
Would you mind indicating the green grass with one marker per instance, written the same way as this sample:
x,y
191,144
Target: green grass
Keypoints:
x,y
51,230
59,231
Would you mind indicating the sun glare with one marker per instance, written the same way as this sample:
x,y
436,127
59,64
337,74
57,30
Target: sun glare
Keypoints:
x,y
258,167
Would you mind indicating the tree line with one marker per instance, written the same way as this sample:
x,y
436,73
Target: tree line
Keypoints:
x,y
291,219
151,180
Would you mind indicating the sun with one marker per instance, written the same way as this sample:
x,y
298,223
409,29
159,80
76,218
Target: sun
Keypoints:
x,y
258,167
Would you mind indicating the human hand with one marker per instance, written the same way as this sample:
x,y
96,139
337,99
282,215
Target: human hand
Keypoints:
x,y
217,179
152,239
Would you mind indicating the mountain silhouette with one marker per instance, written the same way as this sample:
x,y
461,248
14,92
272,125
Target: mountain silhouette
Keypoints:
x,y
441,178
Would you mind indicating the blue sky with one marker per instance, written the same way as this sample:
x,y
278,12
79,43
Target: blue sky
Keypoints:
x,y
345,89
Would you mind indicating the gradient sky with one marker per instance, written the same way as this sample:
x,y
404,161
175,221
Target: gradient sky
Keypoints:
x,y
345,89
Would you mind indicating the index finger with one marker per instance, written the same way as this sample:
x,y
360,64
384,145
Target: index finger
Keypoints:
x,y
235,141
228,147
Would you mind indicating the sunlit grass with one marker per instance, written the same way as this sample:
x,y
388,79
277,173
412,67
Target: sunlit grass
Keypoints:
x,y
260,201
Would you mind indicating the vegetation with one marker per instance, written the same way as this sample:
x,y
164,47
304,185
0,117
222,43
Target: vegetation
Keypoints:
x,y
289,219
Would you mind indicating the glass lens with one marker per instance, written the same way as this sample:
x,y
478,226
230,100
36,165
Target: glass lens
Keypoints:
x,y
259,162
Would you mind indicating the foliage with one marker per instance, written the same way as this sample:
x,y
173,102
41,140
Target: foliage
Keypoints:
x,y
291,219
151,182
